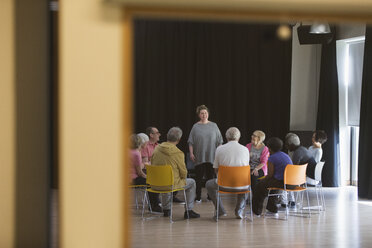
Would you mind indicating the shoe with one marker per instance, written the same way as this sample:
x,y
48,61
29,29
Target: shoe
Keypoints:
x,y
192,215
166,212
272,208
198,200
271,214
290,204
239,215
157,209
176,200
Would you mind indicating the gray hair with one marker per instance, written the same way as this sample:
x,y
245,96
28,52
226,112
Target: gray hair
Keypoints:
x,y
232,133
135,141
144,138
292,139
174,134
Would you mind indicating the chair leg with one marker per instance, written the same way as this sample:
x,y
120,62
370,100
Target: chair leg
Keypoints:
x,y
218,204
287,208
250,201
186,205
171,208
322,197
308,202
319,206
145,199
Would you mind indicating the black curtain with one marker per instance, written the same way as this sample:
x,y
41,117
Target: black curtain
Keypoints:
x,y
365,132
242,72
328,114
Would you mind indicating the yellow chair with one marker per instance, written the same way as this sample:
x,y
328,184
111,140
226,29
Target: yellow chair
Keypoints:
x,y
234,180
294,181
160,180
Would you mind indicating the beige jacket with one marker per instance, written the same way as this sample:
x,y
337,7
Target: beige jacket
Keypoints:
x,y
168,154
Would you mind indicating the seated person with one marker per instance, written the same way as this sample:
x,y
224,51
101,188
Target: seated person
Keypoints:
x,y
137,174
277,162
300,155
168,153
259,153
230,154
318,139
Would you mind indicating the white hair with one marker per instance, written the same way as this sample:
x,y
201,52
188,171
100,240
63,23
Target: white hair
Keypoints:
x,y
292,138
144,138
233,133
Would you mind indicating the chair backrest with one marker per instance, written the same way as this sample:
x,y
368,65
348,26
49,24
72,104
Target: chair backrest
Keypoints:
x,y
295,174
318,171
234,176
159,175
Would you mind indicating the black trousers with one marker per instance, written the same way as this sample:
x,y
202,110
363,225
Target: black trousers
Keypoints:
x,y
154,197
260,193
201,170
254,179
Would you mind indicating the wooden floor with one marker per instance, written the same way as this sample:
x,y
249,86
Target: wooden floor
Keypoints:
x,y
346,222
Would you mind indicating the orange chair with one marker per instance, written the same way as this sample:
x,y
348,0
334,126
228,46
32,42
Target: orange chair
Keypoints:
x,y
234,180
294,181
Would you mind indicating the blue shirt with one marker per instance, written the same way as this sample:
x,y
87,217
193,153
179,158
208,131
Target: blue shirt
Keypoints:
x,y
280,161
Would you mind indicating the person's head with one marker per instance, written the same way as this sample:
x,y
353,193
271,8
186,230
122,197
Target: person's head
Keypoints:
x,y
292,141
135,141
203,112
232,133
257,137
174,134
274,144
145,139
319,137
153,134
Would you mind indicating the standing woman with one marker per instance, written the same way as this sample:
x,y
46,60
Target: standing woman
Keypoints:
x,y
203,140
259,154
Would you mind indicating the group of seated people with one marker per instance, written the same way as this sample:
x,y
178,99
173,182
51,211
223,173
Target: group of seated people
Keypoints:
x,y
267,166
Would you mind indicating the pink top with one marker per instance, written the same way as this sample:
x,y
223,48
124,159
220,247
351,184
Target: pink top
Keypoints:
x,y
135,159
264,157
148,150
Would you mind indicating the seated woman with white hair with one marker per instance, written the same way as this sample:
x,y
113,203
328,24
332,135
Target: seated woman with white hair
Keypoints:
x,y
137,173
259,154
145,141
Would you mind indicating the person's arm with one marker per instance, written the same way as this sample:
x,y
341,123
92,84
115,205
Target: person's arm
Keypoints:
x,y
191,151
182,167
190,141
271,169
139,171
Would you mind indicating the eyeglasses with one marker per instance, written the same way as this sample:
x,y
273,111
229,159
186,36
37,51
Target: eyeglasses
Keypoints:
x,y
156,132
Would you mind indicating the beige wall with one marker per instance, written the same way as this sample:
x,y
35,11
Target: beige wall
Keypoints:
x,y
7,120
91,125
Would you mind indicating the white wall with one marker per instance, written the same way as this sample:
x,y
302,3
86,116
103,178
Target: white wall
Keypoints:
x,y
305,84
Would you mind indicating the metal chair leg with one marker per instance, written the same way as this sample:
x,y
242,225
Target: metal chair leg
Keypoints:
x,y
186,204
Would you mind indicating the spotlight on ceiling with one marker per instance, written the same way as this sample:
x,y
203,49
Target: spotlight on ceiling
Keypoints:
x,y
320,28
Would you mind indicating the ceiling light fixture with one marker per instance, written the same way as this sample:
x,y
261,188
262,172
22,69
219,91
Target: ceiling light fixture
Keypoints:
x,y
320,28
